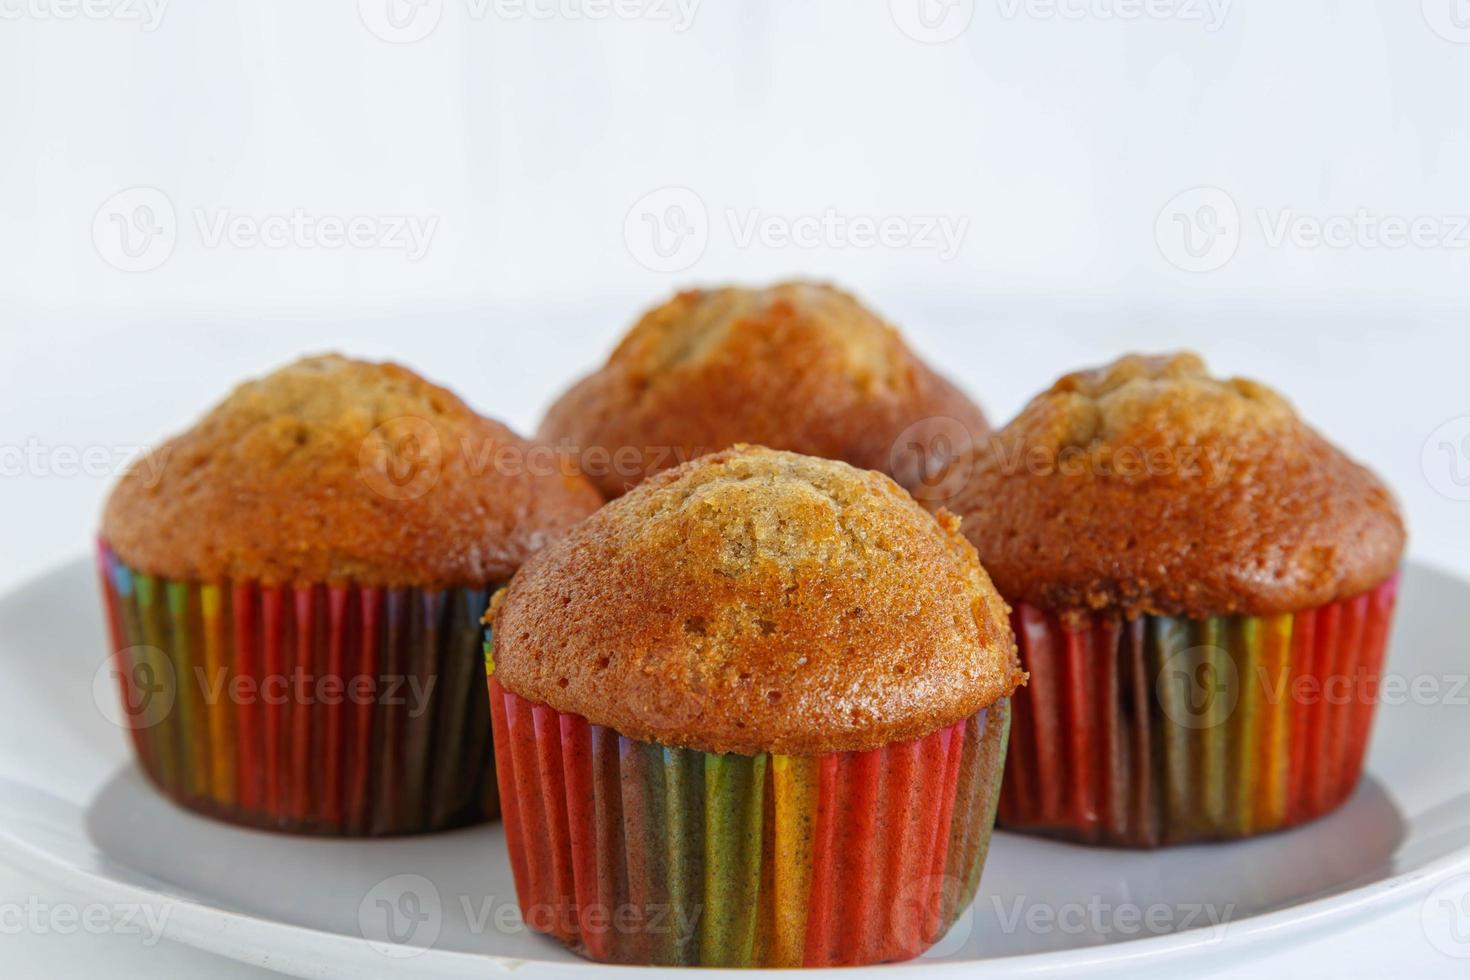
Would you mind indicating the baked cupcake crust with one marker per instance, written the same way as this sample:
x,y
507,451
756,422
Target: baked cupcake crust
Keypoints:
x,y
337,470
755,601
1151,487
798,366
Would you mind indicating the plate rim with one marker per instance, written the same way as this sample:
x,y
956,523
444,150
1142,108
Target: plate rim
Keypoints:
x,y
205,927
202,927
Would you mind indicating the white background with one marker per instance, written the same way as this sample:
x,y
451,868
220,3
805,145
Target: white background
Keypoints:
x,y
1059,139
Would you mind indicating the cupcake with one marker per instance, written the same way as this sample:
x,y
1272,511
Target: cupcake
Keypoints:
x,y
753,713
294,587
797,366
1201,588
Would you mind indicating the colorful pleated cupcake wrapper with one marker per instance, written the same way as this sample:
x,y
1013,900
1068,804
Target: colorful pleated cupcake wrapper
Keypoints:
x,y
1163,730
640,853
321,709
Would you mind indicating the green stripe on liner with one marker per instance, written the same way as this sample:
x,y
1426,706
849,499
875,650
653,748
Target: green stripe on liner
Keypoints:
x,y
1245,725
683,773
732,821
1174,686
1213,738
991,739
193,758
157,679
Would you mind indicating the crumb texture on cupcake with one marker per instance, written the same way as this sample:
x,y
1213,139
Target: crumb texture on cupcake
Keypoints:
x,y
1151,487
337,470
753,601
798,366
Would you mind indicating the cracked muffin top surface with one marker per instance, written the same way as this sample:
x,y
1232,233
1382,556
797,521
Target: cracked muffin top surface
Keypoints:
x,y
797,366
755,600
336,470
1151,487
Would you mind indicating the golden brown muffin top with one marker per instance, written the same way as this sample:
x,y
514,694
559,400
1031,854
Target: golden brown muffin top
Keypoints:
x,y
798,366
1151,487
336,470
754,601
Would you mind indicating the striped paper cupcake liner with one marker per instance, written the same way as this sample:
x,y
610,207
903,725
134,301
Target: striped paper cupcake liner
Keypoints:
x,y
333,710
1164,730
635,852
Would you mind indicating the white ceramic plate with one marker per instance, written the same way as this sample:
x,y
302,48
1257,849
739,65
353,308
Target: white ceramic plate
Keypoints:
x,y
73,807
